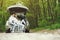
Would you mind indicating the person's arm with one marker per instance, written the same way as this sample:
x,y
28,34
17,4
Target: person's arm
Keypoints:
x,y
7,25
8,30
27,24
27,29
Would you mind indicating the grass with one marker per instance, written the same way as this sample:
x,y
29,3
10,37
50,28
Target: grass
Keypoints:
x,y
51,27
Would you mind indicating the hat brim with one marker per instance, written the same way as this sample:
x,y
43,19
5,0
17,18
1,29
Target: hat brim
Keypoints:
x,y
17,9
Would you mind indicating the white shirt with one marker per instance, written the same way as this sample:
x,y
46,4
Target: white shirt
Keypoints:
x,y
16,25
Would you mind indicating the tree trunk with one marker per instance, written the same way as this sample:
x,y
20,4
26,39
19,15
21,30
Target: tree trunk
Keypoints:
x,y
44,9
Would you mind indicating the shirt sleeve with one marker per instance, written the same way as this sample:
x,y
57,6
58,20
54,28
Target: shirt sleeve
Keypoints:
x,y
7,25
27,24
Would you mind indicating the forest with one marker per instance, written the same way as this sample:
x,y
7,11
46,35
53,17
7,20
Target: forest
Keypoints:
x,y
42,14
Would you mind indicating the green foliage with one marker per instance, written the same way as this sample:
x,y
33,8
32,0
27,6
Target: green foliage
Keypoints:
x,y
51,27
31,19
43,14
42,23
3,18
55,26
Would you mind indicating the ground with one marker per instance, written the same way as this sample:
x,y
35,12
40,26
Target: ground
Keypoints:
x,y
46,31
39,35
30,36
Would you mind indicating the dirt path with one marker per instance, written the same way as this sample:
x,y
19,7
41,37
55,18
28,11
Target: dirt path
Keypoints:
x,y
40,35
30,36
47,31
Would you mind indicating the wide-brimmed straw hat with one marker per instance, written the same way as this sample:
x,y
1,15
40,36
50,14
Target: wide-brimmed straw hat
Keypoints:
x,y
17,8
